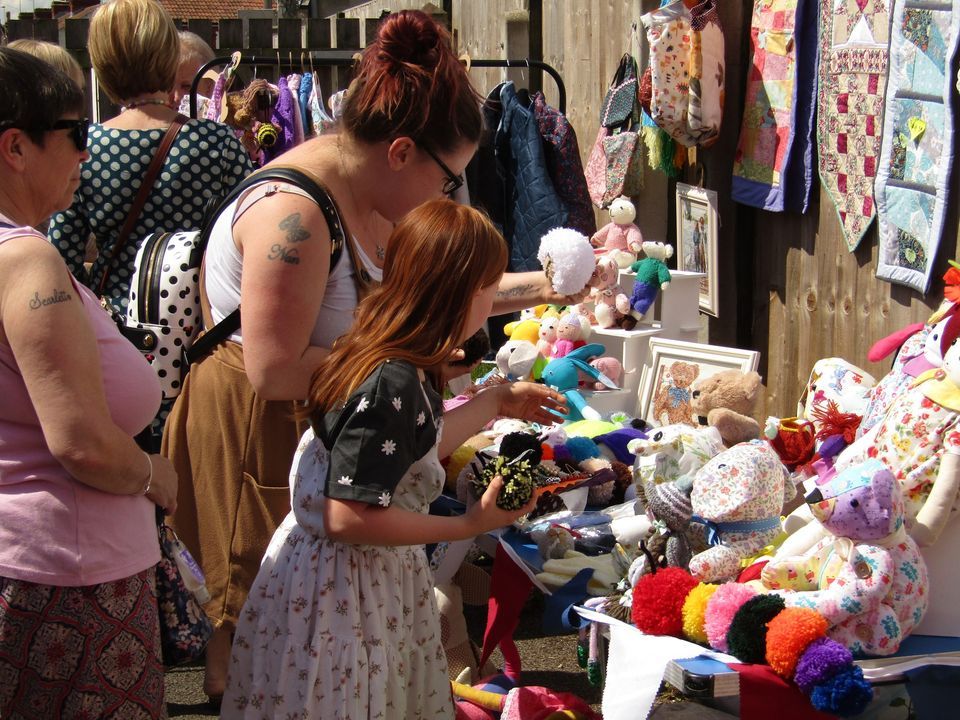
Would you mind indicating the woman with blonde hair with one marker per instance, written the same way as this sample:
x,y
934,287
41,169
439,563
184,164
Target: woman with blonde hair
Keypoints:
x,y
135,51
52,54
341,620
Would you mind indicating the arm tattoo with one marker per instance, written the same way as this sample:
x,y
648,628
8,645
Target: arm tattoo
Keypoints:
x,y
278,252
56,297
295,231
517,292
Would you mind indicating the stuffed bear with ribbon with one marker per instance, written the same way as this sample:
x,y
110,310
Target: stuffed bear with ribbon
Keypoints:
x,y
738,495
867,577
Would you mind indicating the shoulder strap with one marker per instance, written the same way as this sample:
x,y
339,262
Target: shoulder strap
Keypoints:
x,y
312,185
149,178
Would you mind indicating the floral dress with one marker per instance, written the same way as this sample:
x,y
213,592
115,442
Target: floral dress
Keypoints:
x,y
332,630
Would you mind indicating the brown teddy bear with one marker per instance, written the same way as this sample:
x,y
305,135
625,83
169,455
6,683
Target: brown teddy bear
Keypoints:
x,y
672,399
727,400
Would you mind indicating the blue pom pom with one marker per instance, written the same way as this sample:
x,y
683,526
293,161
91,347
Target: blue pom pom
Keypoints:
x,y
582,448
845,694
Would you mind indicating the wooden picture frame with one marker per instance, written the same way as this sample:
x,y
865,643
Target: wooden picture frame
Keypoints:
x,y
664,395
697,227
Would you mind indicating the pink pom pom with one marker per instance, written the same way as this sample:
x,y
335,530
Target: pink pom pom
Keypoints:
x,y
721,608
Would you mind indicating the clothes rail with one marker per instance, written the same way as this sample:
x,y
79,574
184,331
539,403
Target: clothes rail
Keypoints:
x,y
346,58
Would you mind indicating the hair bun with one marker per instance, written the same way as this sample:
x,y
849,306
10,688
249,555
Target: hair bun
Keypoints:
x,y
410,37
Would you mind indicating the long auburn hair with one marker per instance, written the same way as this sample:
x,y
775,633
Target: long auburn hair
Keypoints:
x,y
438,257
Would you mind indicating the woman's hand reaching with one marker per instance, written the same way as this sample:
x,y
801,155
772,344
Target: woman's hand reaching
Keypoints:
x,y
531,402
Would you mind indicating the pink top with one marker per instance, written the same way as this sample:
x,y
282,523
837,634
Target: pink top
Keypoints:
x,y
55,530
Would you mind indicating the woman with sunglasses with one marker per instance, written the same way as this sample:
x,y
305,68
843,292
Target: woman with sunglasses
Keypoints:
x,y
410,123
135,50
78,537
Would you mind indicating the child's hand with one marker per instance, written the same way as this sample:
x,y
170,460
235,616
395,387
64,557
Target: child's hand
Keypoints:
x,y
532,402
485,515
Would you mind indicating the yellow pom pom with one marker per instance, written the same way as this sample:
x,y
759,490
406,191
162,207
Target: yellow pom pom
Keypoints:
x,y
458,460
694,609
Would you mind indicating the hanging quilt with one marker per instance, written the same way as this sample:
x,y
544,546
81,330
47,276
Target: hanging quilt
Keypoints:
x,y
918,129
773,164
854,38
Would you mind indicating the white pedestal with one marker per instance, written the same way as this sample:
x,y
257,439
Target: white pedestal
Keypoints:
x,y
630,347
676,312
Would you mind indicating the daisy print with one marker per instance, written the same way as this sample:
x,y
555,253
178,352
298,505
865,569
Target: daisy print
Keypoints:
x,y
389,447
363,404
397,403
385,499
345,480
421,418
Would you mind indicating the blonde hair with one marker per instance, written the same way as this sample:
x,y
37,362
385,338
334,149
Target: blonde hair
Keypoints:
x,y
134,47
438,257
53,55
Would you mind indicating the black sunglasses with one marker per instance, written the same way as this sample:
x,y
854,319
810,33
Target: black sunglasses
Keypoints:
x,y
78,130
453,182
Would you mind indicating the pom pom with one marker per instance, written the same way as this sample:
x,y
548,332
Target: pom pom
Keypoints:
x,y
567,259
789,634
747,636
822,659
658,601
694,610
721,608
515,444
845,694
582,448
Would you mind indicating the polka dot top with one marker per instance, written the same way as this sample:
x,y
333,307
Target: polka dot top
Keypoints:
x,y
205,162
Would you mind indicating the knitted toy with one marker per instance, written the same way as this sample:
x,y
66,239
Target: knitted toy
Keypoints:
x,y
755,628
561,374
867,578
567,259
520,360
548,336
527,329
727,400
250,111
619,238
611,305
572,331
738,495
652,276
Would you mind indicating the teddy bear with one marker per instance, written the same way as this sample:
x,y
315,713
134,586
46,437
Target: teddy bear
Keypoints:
x,y
567,259
727,400
611,305
738,495
572,332
619,238
672,399
866,577
250,111
653,275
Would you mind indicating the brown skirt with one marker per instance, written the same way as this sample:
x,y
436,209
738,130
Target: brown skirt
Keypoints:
x,y
232,453
70,652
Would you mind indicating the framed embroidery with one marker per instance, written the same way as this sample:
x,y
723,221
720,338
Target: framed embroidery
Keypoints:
x,y
697,227
665,384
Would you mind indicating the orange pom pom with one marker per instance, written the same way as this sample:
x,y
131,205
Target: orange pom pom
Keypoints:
x,y
788,635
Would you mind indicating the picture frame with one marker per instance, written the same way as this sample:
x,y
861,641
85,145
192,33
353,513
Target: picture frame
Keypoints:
x,y
674,366
698,223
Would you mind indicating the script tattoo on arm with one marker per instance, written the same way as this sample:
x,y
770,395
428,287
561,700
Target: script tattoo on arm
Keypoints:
x,y
278,252
54,298
517,291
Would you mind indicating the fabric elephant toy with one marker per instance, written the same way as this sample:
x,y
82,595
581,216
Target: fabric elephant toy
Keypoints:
x,y
867,578
738,495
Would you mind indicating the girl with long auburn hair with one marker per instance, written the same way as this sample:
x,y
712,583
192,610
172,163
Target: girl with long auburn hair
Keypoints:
x,y
341,620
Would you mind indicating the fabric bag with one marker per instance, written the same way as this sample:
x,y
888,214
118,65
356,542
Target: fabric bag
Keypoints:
x,y
615,165
184,626
163,313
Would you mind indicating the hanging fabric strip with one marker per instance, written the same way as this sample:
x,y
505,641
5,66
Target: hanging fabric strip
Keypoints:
x,y
918,134
854,48
773,164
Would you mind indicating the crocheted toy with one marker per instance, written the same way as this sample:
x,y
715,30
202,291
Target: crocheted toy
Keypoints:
x,y
867,578
611,305
527,329
561,374
619,238
756,629
250,111
738,495
727,400
609,366
652,276
548,336
567,259
572,332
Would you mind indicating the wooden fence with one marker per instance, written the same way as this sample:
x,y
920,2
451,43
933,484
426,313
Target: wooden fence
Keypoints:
x,y
787,285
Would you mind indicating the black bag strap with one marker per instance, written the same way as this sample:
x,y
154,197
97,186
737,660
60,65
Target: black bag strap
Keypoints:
x,y
318,193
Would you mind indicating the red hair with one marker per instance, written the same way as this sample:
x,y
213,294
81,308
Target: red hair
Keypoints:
x,y
410,84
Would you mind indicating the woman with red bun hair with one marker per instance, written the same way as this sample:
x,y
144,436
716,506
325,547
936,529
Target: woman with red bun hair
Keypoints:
x,y
297,267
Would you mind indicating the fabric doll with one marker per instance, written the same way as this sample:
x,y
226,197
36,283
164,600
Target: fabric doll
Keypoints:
x,y
738,495
548,336
652,276
571,331
619,238
866,577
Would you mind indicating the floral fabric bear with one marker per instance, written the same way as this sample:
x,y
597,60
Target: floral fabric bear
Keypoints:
x,y
868,578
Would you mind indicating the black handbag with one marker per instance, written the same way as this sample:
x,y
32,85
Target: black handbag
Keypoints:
x,y
621,98
184,626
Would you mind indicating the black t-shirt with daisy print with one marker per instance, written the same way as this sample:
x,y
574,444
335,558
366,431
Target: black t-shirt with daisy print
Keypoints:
x,y
385,426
